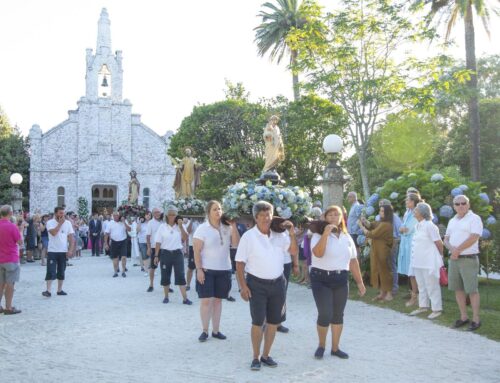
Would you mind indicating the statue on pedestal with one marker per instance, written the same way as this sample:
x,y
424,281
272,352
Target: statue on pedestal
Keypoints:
x,y
133,188
187,175
274,150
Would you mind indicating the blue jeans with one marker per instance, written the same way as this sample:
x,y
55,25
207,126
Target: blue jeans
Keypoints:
x,y
393,265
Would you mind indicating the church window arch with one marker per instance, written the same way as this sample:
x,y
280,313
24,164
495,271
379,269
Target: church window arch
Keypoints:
x,y
60,196
111,194
145,197
105,193
96,193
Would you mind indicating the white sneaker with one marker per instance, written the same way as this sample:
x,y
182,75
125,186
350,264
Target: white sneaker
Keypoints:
x,y
434,314
418,311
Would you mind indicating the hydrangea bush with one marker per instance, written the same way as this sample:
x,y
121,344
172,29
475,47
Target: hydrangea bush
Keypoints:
x,y
438,191
187,206
290,202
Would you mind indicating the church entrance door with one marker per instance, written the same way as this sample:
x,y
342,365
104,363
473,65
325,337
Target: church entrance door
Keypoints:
x,y
104,199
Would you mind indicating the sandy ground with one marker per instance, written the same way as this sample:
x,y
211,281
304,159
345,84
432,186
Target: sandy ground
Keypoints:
x,y
111,330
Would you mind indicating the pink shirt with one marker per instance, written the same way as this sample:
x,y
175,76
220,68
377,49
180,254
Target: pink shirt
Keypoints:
x,y
9,235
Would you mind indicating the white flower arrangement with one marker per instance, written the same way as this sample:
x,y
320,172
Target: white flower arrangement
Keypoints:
x,y
290,202
394,195
187,206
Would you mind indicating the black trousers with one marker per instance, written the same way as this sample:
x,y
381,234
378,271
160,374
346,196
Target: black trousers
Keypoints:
x,y
330,290
267,300
168,260
95,239
232,255
287,269
56,266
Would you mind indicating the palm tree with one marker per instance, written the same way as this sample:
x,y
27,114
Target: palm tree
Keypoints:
x,y
464,8
277,22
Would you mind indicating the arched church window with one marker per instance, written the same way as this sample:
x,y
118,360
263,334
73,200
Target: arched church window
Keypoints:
x,y
145,198
104,81
105,193
60,196
111,193
96,194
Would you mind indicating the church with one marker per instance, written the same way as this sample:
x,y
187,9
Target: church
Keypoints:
x,y
93,151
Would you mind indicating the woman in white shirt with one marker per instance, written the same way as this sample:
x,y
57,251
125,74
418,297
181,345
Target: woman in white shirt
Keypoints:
x,y
333,256
211,244
168,252
426,260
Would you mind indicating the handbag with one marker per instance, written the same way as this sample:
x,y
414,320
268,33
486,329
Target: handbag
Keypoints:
x,y
443,276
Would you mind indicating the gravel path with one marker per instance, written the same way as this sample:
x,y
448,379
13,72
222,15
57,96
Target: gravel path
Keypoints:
x,y
111,330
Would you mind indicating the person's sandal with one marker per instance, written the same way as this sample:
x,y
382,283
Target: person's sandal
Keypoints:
x,y
12,311
320,351
474,326
218,335
459,323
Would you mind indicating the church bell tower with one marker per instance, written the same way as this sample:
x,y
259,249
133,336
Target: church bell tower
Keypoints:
x,y
104,73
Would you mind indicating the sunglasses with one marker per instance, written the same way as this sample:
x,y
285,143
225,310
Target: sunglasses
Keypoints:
x,y
460,203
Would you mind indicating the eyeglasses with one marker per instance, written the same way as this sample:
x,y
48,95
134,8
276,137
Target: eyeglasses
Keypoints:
x,y
460,203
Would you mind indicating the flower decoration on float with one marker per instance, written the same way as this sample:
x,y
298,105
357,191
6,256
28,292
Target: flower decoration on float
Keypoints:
x,y
290,202
127,210
188,206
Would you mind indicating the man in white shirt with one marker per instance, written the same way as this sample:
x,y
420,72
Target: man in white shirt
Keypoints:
x,y
462,240
116,231
61,246
153,226
260,255
105,223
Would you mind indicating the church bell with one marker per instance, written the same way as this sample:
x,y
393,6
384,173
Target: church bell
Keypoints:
x,y
104,81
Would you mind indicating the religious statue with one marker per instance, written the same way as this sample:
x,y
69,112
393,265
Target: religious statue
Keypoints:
x,y
187,175
133,188
274,150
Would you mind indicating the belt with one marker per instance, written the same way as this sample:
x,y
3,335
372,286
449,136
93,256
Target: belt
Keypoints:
x,y
328,272
468,256
265,281
171,251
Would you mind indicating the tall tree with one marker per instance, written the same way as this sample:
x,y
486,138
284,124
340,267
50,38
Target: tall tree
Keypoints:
x,y
13,159
464,8
226,137
5,127
357,66
278,21
304,125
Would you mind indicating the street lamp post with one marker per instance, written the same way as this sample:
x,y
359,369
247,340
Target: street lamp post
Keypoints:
x,y
16,195
333,176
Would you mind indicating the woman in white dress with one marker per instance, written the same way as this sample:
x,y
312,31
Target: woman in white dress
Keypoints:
x,y
426,260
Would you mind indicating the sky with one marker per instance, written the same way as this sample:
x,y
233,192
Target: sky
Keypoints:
x,y
176,55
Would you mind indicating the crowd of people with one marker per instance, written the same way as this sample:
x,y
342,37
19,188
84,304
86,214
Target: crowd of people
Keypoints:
x,y
414,247
262,255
